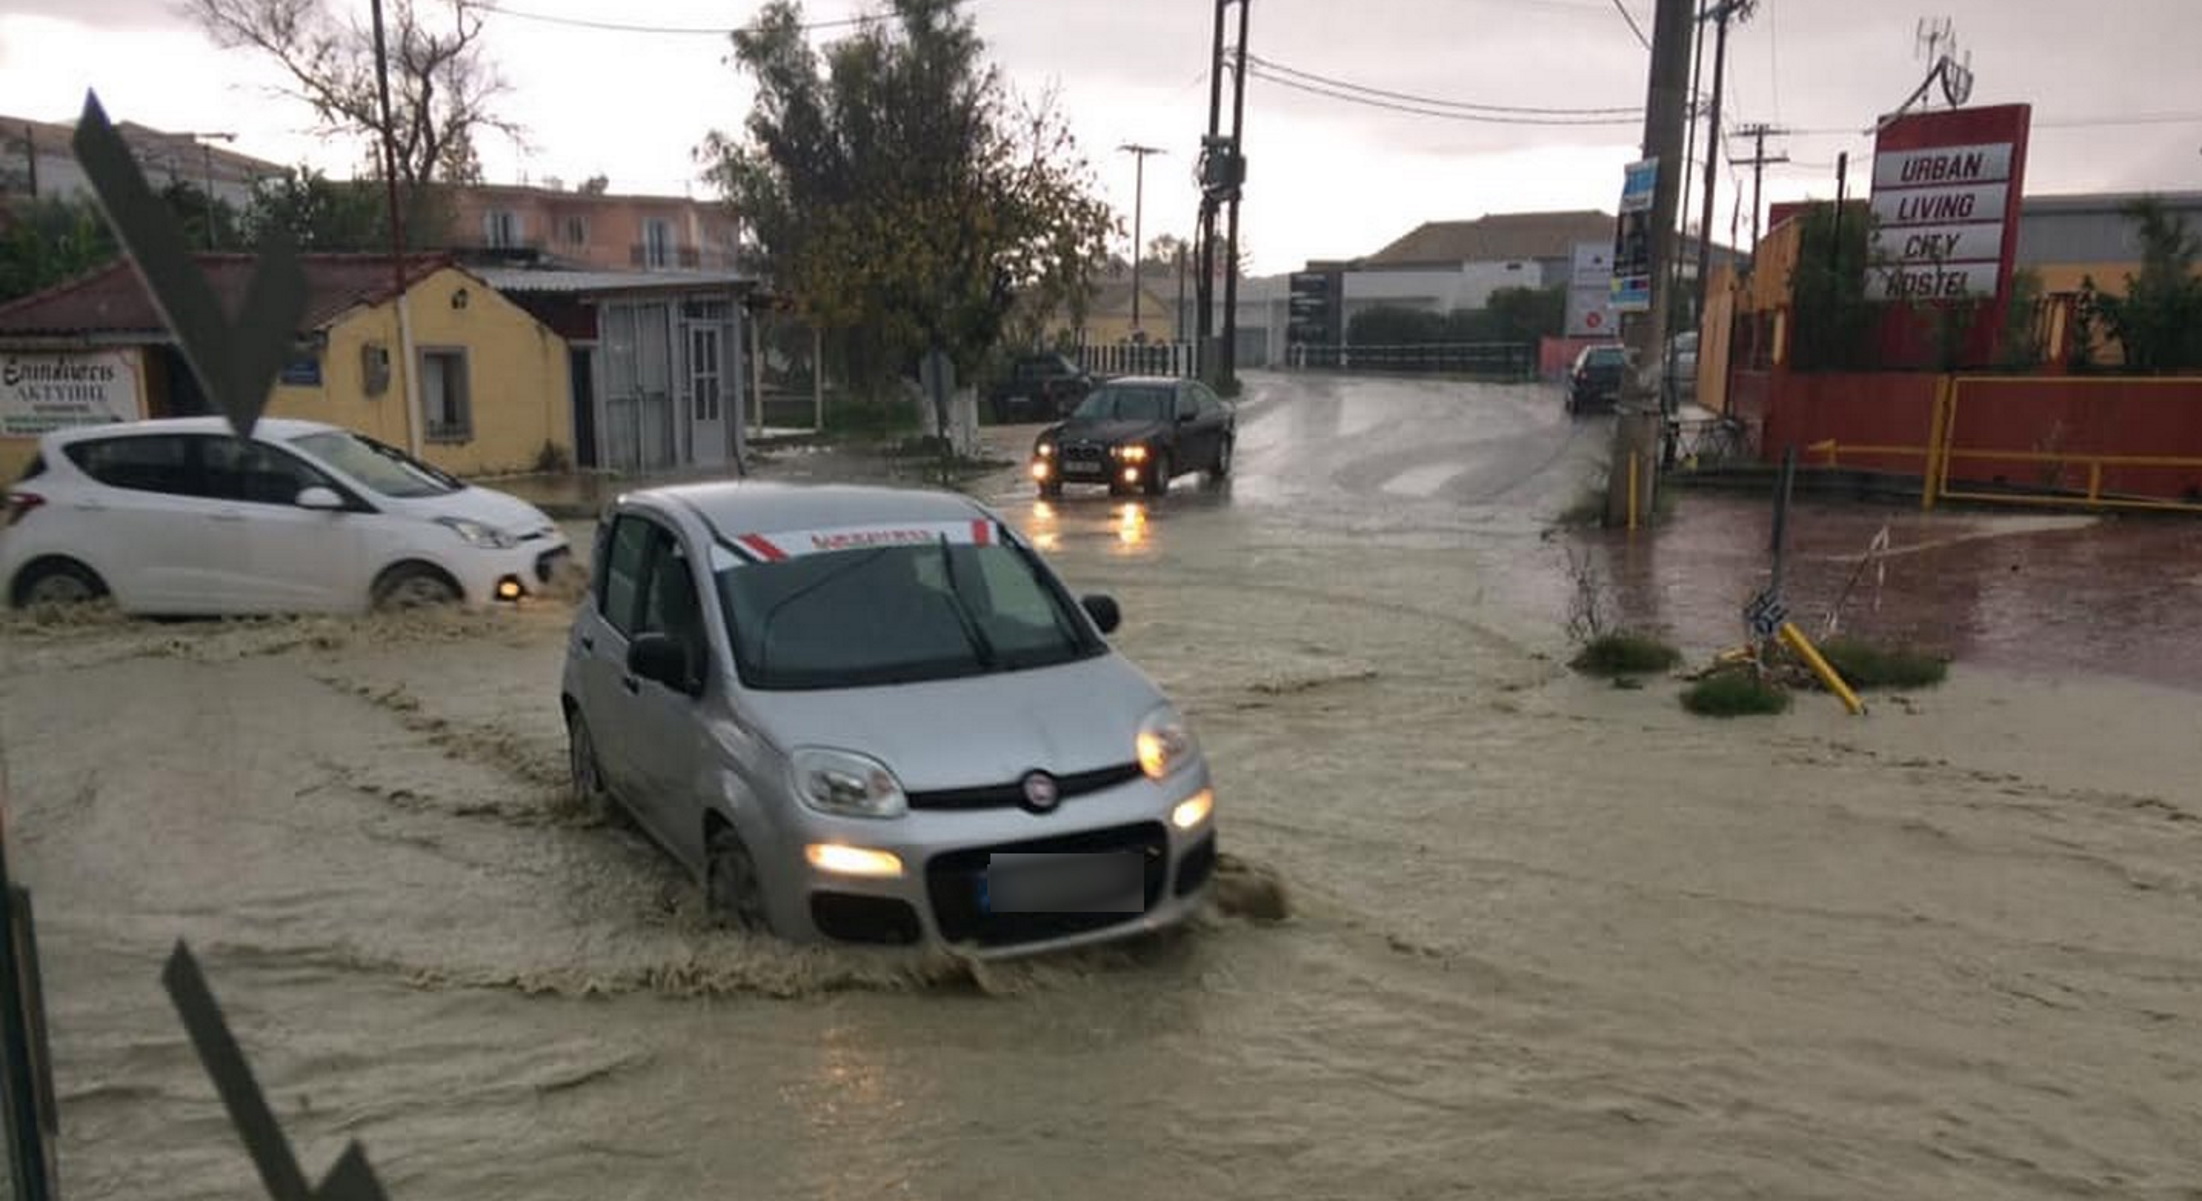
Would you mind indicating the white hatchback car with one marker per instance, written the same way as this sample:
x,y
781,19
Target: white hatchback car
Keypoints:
x,y
180,516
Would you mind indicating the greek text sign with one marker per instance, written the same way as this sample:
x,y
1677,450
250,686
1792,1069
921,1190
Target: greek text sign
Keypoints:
x,y
42,392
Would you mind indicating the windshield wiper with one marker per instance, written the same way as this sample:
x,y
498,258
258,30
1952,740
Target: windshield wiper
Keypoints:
x,y
980,644
764,624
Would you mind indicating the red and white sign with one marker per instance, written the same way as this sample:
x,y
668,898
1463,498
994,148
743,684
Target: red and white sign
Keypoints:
x,y
788,544
1946,189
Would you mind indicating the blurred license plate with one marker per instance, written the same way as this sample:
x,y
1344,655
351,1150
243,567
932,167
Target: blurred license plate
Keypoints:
x,y
1113,882
1081,467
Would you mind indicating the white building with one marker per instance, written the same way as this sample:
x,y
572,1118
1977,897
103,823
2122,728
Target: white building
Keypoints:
x,y
36,161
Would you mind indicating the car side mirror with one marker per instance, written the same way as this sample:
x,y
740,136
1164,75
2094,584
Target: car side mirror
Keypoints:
x,y
1104,612
319,497
663,659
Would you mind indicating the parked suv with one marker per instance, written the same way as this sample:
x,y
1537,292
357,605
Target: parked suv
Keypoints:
x,y
180,516
1041,387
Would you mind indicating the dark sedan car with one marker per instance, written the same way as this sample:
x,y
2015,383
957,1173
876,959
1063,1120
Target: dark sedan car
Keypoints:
x,y
1594,382
1136,435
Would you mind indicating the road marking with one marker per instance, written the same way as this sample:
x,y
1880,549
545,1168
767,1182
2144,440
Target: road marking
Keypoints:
x,y
1425,480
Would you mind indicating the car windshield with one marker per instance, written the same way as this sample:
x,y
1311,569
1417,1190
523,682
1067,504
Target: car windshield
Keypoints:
x,y
1604,357
897,615
1127,404
385,469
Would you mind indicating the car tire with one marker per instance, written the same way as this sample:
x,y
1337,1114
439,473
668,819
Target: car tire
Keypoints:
x,y
1158,480
587,777
731,890
57,582
410,586
1222,469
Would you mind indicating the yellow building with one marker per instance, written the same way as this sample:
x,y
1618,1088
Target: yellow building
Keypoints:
x,y
473,384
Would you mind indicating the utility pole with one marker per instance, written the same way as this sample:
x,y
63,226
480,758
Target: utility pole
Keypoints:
x,y
1739,10
1204,235
1139,202
1758,163
1230,375
1638,429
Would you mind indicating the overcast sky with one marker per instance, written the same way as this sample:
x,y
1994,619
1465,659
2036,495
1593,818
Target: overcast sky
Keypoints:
x,y
1327,178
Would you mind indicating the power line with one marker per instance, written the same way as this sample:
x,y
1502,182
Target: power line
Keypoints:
x,y
1453,115
1634,28
1433,102
717,31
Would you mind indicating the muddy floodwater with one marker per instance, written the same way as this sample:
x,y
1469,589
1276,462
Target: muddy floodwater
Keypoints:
x,y
1547,938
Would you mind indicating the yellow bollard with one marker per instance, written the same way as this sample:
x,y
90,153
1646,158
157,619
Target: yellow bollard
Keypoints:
x,y
1794,638
1632,491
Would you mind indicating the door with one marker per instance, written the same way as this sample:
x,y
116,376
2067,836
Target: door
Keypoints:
x,y
602,635
707,394
150,529
665,729
581,367
276,557
1195,440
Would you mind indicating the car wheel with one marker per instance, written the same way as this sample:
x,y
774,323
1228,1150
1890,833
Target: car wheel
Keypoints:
x,y
58,582
589,792
411,586
731,888
1158,480
1222,469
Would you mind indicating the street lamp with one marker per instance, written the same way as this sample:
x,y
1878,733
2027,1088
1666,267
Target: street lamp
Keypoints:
x,y
204,138
1139,199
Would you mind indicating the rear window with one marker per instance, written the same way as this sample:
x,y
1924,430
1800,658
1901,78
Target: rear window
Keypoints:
x,y
1603,356
144,463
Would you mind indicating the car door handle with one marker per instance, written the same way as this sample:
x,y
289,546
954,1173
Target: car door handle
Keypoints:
x,y
588,642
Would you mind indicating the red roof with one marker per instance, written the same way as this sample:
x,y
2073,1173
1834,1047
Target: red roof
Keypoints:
x,y
113,300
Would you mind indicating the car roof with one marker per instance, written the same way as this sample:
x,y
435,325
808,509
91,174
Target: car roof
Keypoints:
x,y
736,507
278,428
1146,381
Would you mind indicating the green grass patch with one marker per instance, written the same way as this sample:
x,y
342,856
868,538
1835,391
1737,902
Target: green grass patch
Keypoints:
x,y
1864,664
862,419
1735,693
1625,653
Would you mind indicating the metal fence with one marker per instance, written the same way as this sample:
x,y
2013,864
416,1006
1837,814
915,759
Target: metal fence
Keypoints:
x,y
1509,361
1178,359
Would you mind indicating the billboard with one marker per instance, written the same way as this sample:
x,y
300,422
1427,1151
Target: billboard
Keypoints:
x,y
1946,193
42,392
1314,319
1590,293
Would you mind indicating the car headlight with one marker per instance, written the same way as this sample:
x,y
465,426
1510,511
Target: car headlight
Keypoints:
x,y
477,534
1164,744
846,784
1045,450
1132,454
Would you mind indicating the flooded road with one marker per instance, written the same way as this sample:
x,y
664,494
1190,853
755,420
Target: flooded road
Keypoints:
x,y
1549,938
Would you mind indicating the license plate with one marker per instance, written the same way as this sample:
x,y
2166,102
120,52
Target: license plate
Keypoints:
x,y
1079,467
1113,882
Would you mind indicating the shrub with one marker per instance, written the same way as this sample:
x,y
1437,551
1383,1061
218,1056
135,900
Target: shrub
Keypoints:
x,y
1735,692
1866,665
1624,653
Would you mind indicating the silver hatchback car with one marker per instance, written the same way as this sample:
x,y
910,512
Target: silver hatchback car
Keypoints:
x,y
875,715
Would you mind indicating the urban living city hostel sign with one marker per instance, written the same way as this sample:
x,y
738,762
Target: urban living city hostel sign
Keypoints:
x,y
1946,189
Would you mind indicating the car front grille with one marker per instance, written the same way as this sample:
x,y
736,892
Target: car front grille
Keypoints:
x,y
1084,452
952,884
1012,795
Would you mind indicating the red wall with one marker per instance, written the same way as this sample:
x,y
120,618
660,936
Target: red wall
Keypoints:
x,y
2159,417
1880,409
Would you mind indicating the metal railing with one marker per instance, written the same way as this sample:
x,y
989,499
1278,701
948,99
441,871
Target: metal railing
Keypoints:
x,y
1178,359
1510,361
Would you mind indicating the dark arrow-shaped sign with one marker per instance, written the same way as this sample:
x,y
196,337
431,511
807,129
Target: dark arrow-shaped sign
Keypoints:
x,y
236,363
350,1180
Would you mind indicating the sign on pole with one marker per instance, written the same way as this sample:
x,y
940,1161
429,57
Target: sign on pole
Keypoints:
x,y
1590,293
1946,195
1632,241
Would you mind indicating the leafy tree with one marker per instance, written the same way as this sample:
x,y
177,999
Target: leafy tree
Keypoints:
x,y
44,242
319,213
899,192
1526,314
1830,316
443,88
2023,336
209,222
2159,319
